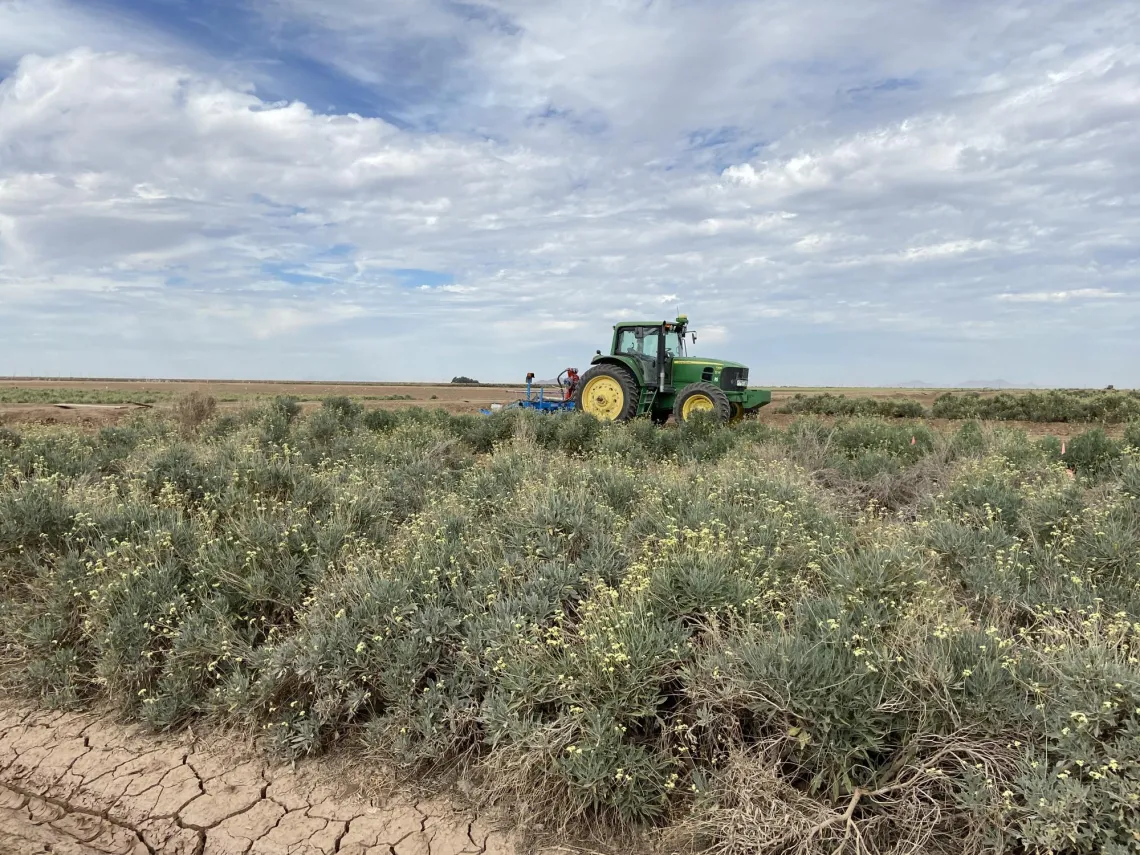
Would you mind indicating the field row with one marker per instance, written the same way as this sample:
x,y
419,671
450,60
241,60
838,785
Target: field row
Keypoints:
x,y
754,639
1050,407
1054,406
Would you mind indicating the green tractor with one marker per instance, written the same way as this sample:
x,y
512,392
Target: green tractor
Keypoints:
x,y
648,373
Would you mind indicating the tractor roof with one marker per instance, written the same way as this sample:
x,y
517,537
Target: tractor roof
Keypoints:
x,y
680,320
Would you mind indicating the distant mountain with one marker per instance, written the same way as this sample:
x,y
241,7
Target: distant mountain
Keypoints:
x,y
994,384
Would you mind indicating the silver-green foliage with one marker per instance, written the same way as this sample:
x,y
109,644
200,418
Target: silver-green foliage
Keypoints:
x,y
702,626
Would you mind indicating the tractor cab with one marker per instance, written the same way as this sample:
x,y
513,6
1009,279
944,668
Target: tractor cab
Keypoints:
x,y
653,346
648,371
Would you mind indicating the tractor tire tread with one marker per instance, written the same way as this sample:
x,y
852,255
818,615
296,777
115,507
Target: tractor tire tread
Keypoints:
x,y
627,382
721,405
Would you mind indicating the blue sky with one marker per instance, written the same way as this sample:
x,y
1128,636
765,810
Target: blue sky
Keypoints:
x,y
834,193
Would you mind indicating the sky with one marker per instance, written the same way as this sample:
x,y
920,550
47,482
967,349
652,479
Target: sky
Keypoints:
x,y
835,193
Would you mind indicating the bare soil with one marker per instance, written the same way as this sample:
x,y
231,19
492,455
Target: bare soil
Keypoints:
x,y
452,398
75,784
450,392
45,414
447,396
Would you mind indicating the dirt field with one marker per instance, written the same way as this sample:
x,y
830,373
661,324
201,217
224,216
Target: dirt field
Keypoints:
x,y
450,396
236,393
453,398
81,785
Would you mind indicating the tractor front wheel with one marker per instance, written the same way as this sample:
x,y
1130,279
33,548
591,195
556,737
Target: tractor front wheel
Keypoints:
x,y
702,398
608,393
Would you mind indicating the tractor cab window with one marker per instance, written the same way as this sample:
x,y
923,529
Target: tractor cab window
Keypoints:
x,y
639,341
649,345
628,343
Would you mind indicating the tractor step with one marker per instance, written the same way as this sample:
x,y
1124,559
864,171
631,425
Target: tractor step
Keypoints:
x,y
645,401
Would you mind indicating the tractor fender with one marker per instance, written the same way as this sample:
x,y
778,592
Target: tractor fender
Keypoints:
x,y
631,365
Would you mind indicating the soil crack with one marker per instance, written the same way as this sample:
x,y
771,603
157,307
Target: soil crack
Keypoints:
x,y
80,784
67,808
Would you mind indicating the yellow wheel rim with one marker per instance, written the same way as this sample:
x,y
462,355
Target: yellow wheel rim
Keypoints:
x,y
737,411
696,404
603,398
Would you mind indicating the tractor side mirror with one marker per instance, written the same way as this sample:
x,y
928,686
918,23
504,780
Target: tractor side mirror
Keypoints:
x,y
694,338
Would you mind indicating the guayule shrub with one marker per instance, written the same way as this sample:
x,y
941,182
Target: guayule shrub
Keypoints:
x,y
828,404
9,438
193,411
759,639
1051,406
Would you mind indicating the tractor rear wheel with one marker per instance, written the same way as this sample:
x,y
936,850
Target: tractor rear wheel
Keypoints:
x,y
608,393
702,398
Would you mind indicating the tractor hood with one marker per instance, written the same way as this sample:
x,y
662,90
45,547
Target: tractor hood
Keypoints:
x,y
729,376
715,364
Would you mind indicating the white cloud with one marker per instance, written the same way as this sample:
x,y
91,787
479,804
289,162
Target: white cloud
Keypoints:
x,y
1060,296
450,289
113,160
551,165
711,334
54,26
278,318
944,250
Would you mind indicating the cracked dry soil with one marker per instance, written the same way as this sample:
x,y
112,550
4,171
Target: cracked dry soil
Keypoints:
x,y
78,785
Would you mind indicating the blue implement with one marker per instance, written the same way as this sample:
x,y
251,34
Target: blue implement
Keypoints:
x,y
538,401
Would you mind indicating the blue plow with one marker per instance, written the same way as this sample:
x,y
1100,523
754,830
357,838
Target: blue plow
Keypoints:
x,y
538,400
